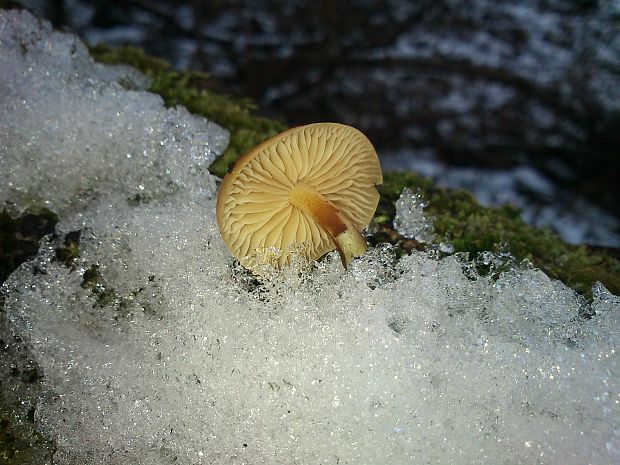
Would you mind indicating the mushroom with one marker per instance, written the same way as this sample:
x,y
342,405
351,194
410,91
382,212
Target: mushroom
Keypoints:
x,y
312,185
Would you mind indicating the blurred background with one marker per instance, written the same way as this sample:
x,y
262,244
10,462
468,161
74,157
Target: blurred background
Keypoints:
x,y
517,101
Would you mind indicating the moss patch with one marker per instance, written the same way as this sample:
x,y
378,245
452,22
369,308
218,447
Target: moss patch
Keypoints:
x,y
22,445
69,251
469,227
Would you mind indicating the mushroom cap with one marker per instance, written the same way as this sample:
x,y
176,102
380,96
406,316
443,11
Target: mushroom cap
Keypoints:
x,y
254,211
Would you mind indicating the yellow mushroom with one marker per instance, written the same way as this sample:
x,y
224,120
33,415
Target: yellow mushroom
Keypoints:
x,y
312,185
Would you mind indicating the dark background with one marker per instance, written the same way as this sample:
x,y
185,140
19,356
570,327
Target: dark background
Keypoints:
x,y
518,101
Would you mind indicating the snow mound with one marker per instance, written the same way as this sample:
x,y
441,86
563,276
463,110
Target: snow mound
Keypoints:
x,y
156,348
71,129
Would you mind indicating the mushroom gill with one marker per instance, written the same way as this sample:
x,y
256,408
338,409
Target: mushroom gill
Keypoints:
x,y
312,185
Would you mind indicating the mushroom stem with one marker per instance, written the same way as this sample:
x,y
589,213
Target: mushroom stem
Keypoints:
x,y
347,239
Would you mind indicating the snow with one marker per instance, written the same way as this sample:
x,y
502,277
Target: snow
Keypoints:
x,y
178,355
69,125
410,220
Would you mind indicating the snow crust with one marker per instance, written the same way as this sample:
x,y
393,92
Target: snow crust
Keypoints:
x,y
175,354
70,128
410,220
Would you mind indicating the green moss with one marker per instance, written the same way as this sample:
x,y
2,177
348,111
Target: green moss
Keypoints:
x,y
190,90
21,445
469,227
93,280
70,249
20,442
